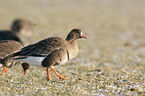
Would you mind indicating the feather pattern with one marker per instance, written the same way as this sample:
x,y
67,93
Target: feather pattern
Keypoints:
x,y
41,48
8,47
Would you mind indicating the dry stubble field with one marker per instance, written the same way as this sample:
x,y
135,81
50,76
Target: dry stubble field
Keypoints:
x,y
110,62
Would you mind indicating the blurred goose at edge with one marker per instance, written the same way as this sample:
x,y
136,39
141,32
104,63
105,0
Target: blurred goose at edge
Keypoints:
x,y
7,47
20,27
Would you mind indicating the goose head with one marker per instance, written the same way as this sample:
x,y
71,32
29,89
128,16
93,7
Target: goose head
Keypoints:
x,y
75,34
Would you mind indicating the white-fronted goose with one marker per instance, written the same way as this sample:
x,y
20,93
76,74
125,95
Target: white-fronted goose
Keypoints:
x,y
22,27
49,52
8,35
19,27
8,47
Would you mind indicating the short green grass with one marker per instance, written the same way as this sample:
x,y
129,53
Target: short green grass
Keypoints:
x,y
110,62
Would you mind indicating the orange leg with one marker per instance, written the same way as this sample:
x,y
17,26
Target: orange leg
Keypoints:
x,y
25,67
58,75
25,72
4,70
48,75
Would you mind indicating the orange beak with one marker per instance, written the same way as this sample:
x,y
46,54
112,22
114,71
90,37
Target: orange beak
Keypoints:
x,y
83,36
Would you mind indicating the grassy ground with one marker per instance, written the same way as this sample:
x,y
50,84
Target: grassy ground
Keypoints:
x,y
110,62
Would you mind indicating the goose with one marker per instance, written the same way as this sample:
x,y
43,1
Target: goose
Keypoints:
x,y
22,27
19,27
8,47
49,52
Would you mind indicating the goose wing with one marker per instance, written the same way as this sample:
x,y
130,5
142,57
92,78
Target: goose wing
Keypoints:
x,y
8,47
42,48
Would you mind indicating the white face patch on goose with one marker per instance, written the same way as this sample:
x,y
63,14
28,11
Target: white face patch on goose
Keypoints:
x,y
82,33
83,36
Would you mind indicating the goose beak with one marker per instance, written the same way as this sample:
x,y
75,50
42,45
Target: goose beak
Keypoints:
x,y
83,36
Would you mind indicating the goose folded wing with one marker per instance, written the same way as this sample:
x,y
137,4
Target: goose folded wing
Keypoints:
x,y
41,48
8,47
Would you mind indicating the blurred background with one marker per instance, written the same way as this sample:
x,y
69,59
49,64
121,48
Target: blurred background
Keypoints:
x,y
113,26
97,17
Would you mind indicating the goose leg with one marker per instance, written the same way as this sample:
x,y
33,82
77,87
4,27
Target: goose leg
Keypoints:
x,y
25,67
58,75
4,70
48,75
25,72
